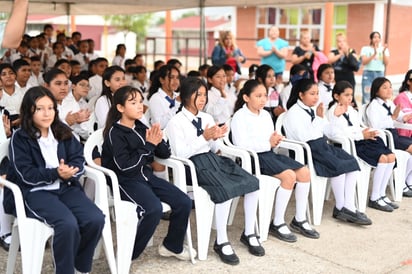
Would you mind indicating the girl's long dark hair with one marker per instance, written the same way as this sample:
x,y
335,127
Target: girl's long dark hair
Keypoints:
x,y
107,75
261,73
119,98
405,86
376,85
247,89
302,85
371,36
189,86
211,72
338,89
163,72
28,107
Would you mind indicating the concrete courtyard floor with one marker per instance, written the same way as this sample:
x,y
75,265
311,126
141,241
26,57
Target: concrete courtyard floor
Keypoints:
x,y
383,247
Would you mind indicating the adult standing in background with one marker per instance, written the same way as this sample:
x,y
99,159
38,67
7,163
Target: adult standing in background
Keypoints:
x,y
305,53
375,58
273,51
227,52
16,25
345,62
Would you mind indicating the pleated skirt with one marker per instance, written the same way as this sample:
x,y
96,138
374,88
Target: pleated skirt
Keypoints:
x,y
222,178
371,150
272,163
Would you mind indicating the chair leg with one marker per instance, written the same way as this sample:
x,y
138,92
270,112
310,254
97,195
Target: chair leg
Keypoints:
x,y
233,208
267,190
318,187
362,186
14,249
204,217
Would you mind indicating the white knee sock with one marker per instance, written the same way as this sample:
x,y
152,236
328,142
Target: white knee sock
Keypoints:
x,y
377,181
222,211
386,177
301,196
338,188
282,200
250,205
350,189
5,219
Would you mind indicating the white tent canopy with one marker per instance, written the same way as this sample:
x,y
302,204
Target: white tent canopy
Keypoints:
x,y
109,7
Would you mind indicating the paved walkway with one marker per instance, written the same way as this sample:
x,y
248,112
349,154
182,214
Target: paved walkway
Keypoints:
x,y
383,247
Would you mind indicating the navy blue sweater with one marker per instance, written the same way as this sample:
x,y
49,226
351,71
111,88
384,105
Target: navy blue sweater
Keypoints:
x,y
126,152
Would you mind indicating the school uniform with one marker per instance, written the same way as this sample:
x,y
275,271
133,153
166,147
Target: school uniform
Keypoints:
x,y
220,108
367,149
101,108
83,59
253,131
302,124
129,155
222,178
60,203
96,86
162,108
379,115
325,93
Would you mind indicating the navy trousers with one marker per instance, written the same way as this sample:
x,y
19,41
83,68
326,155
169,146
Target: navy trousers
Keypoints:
x,y
77,224
148,196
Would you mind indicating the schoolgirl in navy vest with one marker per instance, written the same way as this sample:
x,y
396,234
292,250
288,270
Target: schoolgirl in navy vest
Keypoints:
x,y
128,149
381,114
192,134
369,146
46,162
252,128
302,124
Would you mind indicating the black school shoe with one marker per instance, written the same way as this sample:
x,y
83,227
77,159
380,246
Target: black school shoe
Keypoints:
x,y
352,217
3,243
274,230
256,250
231,259
298,227
380,204
389,202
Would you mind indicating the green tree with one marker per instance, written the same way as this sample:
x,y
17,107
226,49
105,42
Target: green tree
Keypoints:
x,y
137,23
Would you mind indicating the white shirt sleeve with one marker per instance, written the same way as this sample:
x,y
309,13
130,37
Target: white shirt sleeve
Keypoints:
x,y
101,109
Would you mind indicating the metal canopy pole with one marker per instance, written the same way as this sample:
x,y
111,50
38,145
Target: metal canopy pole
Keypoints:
x,y
203,50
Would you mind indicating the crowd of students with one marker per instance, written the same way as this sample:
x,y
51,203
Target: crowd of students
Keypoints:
x,y
54,95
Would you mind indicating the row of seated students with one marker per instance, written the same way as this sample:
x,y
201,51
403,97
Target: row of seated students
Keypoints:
x,y
193,134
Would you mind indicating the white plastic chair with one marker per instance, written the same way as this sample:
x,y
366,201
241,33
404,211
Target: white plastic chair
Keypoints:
x,y
402,157
125,212
317,183
31,234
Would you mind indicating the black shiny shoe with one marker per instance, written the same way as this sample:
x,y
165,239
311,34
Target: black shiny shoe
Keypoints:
x,y
298,227
389,202
3,243
354,217
231,259
380,206
407,192
256,250
274,230
335,213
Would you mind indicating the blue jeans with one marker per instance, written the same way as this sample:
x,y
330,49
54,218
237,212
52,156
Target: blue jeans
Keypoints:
x,y
367,78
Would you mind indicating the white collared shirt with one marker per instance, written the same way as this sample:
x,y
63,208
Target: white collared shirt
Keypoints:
x,y
252,131
377,114
159,108
12,102
340,126
182,134
298,125
220,108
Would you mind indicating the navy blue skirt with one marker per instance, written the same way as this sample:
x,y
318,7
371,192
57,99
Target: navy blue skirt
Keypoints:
x,y
222,178
272,163
331,161
401,142
371,150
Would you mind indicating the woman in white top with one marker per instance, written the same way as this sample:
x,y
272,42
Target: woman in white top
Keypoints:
x,y
113,79
252,128
220,104
369,146
119,58
302,124
374,58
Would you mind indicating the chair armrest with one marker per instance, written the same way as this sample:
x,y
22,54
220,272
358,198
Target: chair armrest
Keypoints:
x,y
18,198
179,173
400,125
240,153
347,144
296,147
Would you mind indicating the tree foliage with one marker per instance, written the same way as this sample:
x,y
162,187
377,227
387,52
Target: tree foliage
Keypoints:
x,y
137,23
